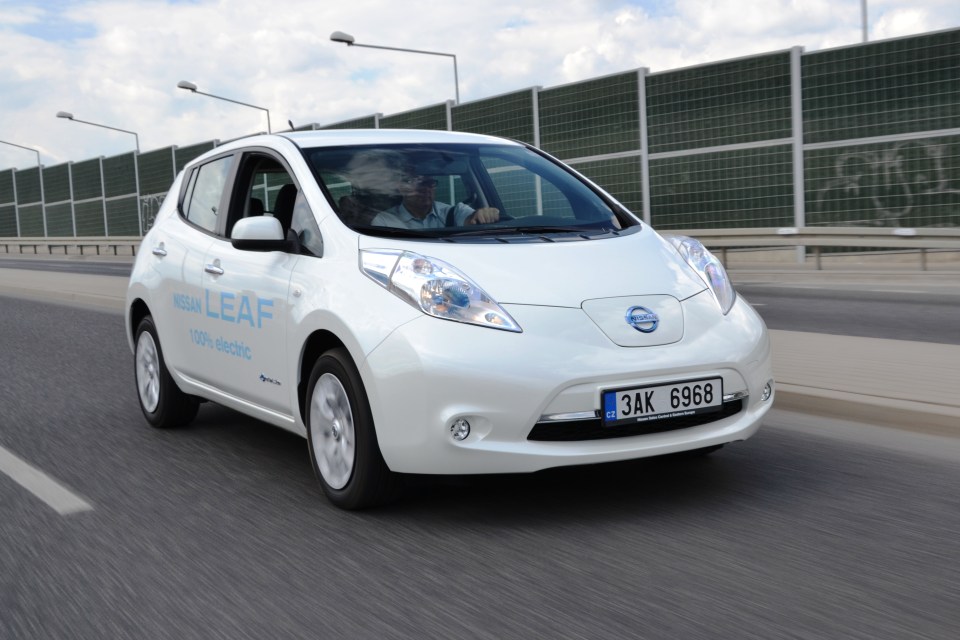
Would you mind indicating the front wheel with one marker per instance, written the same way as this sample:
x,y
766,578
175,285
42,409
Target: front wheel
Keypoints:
x,y
163,403
343,442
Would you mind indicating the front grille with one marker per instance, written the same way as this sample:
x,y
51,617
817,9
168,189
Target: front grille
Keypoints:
x,y
592,430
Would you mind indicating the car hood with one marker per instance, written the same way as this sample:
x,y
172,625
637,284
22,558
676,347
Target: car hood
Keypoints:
x,y
565,273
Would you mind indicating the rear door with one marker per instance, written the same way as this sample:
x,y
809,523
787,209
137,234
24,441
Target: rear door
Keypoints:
x,y
178,249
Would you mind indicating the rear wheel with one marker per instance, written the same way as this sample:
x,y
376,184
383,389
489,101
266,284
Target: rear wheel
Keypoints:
x,y
161,400
343,442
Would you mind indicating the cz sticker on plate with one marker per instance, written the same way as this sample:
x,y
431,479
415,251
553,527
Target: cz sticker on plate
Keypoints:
x,y
661,402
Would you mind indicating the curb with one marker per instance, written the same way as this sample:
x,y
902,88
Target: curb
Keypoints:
x,y
903,415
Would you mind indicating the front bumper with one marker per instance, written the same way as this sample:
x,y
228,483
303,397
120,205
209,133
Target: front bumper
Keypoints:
x,y
429,373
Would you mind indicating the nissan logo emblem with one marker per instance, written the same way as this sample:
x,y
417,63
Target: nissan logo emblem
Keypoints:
x,y
642,319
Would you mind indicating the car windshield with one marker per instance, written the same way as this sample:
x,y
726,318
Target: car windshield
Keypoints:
x,y
461,191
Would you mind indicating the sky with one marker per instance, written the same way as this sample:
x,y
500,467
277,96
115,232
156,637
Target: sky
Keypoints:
x,y
117,63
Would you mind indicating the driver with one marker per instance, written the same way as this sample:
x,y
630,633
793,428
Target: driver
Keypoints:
x,y
419,210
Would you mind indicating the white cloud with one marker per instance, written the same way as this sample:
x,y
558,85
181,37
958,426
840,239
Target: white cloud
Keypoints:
x,y
901,22
117,63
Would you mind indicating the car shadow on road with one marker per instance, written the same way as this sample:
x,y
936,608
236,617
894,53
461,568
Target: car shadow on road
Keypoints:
x,y
611,490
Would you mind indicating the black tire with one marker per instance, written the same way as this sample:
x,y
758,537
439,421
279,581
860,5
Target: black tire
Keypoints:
x,y
163,404
352,474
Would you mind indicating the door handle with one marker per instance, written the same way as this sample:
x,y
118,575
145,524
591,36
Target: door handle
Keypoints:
x,y
214,269
159,250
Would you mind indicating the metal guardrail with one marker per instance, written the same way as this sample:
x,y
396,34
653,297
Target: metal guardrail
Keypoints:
x,y
80,245
914,239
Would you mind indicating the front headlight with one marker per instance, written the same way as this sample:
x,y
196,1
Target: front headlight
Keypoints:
x,y
435,287
709,269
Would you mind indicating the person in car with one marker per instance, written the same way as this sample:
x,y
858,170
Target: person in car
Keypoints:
x,y
419,208
372,175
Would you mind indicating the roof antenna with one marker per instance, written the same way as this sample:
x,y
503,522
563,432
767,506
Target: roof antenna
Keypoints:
x,y
290,122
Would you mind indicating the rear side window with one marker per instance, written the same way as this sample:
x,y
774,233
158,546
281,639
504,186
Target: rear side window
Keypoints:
x,y
203,201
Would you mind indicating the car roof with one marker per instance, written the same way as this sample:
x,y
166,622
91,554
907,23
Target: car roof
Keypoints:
x,y
350,137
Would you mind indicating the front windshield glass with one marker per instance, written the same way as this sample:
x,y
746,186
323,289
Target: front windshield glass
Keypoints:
x,y
459,190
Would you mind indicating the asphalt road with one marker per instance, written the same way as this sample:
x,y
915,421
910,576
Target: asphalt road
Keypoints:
x,y
923,314
219,531
113,268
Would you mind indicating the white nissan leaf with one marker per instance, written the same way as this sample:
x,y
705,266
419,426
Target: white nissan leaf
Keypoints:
x,y
435,303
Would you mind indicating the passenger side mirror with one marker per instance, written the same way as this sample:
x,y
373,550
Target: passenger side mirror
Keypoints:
x,y
259,233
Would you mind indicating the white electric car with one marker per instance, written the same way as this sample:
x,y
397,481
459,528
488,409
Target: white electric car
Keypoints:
x,y
435,303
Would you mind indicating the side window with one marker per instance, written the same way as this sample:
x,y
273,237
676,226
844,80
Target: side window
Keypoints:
x,y
271,190
305,226
265,187
201,207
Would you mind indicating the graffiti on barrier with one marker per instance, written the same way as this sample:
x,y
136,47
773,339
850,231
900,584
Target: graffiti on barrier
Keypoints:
x,y
149,207
883,186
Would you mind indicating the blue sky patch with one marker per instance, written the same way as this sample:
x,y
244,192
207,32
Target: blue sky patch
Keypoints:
x,y
57,29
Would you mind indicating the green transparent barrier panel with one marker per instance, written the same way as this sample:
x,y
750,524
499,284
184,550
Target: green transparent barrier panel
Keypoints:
x,y
726,103
120,175
884,88
509,116
913,183
56,183
8,221
89,217
31,221
59,220
620,177
369,122
730,189
591,118
6,187
122,217
86,180
28,186
434,118
156,171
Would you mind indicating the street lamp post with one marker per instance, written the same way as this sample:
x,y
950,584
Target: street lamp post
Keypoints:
x,y
43,200
69,116
189,86
347,39
863,18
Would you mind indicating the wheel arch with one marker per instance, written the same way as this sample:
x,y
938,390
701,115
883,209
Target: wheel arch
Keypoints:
x,y
316,344
137,312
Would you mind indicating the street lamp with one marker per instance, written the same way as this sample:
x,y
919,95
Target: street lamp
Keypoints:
x,y
43,200
69,116
189,86
347,39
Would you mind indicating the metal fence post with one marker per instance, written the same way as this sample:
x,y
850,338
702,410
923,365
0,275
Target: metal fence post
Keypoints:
x,y
644,150
796,118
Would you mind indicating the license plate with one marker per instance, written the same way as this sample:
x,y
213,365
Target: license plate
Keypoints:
x,y
661,402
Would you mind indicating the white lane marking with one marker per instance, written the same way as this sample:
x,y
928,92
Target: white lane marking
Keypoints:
x,y
758,304
58,497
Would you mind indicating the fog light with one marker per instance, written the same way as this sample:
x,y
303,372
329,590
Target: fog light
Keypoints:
x,y
767,391
460,430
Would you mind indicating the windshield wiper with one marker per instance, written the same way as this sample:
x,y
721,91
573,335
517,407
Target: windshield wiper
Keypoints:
x,y
528,230
397,232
